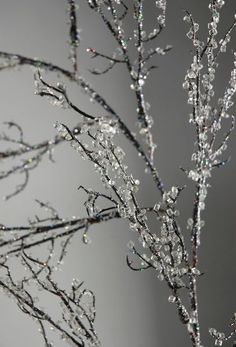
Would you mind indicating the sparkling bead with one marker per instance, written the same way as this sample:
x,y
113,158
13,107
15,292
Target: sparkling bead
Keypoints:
x,y
172,299
195,271
160,277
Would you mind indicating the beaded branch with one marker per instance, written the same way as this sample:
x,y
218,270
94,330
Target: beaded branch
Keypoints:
x,y
93,137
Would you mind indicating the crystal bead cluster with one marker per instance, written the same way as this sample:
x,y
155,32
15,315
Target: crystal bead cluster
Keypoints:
x,y
170,245
206,118
107,159
221,337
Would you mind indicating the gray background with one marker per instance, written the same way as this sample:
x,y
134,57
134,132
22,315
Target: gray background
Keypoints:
x,y
132,307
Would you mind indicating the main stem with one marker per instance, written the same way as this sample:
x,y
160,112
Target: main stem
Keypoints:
x,y
194,326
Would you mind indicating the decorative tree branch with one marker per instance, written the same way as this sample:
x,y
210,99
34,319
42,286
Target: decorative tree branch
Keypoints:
x,y
77,306
94,139
41,231
13,60
34,153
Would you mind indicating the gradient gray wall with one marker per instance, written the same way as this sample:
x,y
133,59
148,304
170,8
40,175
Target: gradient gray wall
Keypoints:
x,y
133,310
